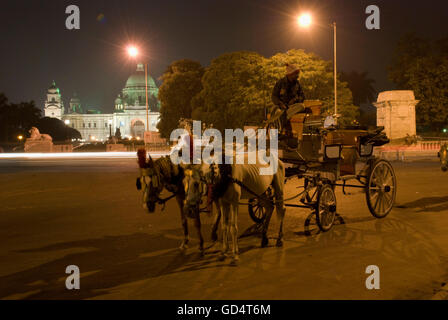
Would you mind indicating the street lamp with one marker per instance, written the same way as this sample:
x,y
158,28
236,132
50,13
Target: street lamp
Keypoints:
x,y
110,129
304,21
134,53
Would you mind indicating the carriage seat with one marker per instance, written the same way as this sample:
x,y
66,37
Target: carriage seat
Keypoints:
x,y
298,120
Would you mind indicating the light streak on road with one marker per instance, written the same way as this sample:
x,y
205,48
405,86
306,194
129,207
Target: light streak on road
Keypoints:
x,y
85,155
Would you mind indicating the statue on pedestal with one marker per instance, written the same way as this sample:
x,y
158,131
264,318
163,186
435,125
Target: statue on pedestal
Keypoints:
x,y
38,142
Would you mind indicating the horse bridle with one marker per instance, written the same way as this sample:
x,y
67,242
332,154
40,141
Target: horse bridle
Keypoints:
x,y
204,182
156,184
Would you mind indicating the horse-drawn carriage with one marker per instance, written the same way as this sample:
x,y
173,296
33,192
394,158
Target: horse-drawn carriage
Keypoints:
x,y
326,156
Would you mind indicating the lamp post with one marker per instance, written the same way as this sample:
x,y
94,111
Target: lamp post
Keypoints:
x,y
134,53
110,129
304,21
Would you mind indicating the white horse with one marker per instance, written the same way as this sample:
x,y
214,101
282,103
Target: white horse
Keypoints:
x,y
36,135
232,183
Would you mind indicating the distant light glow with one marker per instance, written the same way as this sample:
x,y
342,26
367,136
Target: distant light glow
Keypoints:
x,y
20,137
67,122
305,20
132,51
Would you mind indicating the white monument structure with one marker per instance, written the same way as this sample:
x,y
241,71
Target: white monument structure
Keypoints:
x,y
129,115
396,113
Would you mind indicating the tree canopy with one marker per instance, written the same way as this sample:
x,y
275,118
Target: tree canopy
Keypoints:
x,y
181,82
421,65
17,119
235,90
361,87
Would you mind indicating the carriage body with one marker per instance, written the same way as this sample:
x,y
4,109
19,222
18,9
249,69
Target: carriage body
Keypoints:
x,y
327,156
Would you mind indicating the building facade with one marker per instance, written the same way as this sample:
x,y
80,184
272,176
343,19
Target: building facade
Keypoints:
x,y
129,116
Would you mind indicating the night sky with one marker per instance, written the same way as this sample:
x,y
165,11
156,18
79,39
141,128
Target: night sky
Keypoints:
x,y
36,48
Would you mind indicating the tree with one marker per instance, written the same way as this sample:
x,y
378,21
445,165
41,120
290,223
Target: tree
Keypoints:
x,y
317,81
361,87
237,87
233,91
181,82
57,129
409,48
422,66
428,77
16,119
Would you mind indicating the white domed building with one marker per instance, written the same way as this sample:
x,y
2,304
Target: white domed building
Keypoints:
x,y
129,113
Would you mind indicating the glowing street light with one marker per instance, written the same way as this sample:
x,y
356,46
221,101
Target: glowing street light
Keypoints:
x,y
305,20
67,122
20,138
133,51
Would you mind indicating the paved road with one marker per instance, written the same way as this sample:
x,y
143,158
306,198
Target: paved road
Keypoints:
x,y
87,213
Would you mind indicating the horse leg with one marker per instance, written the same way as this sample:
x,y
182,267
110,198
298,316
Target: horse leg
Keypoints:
x,y
234,232
264,235
197,223
184,244
281,215
278,184
216,222
225,207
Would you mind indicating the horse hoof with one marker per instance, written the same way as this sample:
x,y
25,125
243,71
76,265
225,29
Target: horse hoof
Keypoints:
x,y
279,243
264,242
234,261
222,257
183,246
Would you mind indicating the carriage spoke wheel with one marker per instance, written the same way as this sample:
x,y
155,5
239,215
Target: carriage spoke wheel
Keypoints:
x,y
381,189
256,210
325,207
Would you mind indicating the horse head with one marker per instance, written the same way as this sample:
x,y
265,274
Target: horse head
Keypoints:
x,y
151,180
197,181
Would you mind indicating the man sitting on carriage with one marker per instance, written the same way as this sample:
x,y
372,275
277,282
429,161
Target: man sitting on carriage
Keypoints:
x,y
287,91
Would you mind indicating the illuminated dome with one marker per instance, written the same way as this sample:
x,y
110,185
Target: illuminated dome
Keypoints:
x,y
137,79
133,96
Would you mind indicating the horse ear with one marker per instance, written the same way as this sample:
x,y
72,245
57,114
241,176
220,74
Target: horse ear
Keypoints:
x,y
150,161
141,154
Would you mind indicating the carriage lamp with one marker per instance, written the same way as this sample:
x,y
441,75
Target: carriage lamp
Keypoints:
x,y
365,150
20,138
333,151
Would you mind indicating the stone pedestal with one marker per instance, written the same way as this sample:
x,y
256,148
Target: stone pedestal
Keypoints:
x,y
38,146
63,148
396,113
115,147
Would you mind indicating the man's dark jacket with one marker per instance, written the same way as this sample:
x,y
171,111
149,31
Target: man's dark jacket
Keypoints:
x,y
287,92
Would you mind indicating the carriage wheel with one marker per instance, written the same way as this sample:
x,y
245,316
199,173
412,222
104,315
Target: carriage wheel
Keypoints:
x,y
325,207
381,188
256,210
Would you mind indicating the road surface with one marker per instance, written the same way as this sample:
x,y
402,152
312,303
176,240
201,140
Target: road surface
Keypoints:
x,y
55,213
